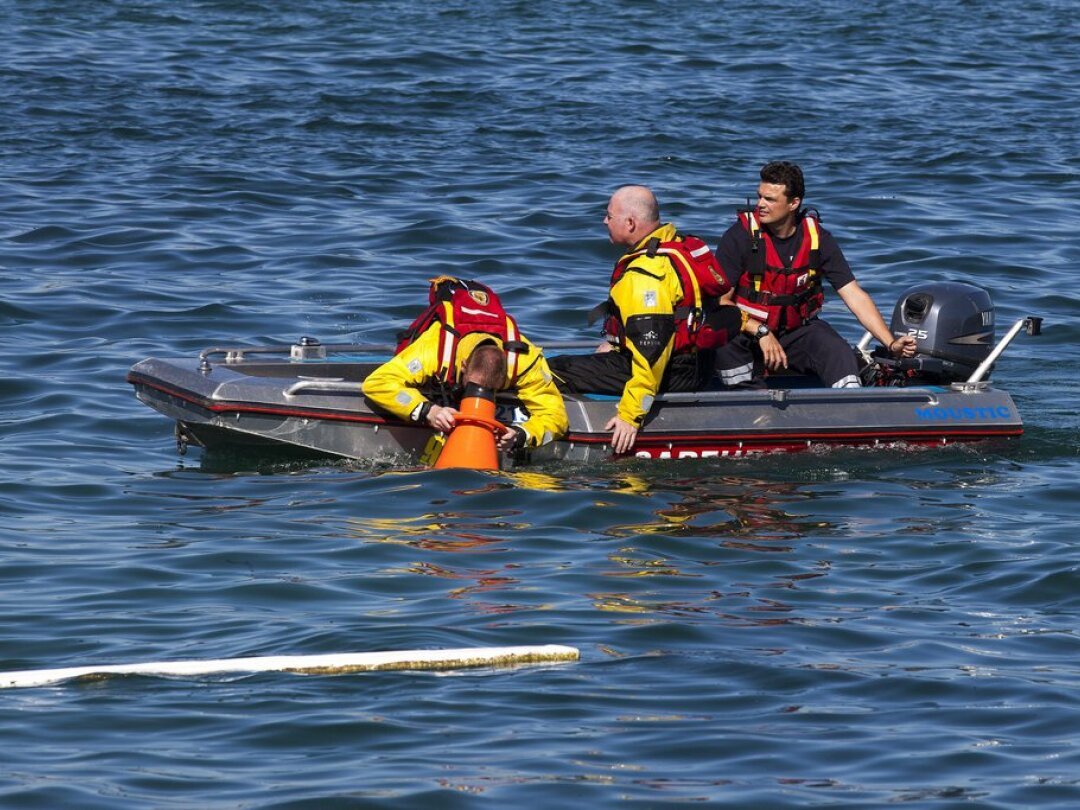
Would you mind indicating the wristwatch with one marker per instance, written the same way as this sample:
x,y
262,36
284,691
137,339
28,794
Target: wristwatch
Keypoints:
x,y
761,332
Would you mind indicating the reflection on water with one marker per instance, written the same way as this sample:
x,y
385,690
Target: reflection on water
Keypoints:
x,y
439,531
718,528
643,567
693,546
449,533
655,610
750,509
687,546
485,579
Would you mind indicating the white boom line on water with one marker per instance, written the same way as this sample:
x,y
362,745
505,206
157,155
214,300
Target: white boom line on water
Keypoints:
x,y
330,664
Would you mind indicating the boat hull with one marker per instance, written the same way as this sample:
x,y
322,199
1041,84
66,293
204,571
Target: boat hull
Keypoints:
x,y
316,408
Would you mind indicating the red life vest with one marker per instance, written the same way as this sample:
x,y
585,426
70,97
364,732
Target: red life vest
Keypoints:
x,y
784,296
461,307
701,280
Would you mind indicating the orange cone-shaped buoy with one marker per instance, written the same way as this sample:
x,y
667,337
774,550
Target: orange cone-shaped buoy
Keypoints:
x,y
471,443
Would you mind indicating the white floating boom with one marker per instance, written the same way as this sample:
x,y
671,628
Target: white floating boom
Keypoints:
x,y
332,664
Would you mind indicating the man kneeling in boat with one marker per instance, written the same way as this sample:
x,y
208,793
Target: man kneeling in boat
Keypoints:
x,y
778,252
663,317
465,336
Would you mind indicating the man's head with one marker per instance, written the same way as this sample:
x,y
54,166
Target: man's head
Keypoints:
x,y
486,366
632,214
780,194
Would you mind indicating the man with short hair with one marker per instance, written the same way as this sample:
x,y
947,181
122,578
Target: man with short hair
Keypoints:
x,y
779,253
402,384
661,301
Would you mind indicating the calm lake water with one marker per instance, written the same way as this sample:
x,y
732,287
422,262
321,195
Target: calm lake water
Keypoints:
x,y
840,629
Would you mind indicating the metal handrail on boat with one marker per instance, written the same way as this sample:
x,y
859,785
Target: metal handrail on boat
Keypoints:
x,y
235,354
863,347
310,348
324,387
1031,324
782,396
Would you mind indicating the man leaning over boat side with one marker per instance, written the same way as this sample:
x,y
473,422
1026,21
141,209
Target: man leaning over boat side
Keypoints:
x,y
779,253
398,386
663,317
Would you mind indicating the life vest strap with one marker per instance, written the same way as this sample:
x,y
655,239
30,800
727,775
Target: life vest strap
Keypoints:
x,y
772,299
601,310
700,279
461,307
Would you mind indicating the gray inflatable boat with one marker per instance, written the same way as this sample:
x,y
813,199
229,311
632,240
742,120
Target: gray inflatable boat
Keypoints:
x,y
306,398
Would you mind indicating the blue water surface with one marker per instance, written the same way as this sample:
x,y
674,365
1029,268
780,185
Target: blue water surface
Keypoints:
x,y
853,628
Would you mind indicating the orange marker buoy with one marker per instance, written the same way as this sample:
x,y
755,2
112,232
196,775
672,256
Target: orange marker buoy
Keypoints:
x,y
471,443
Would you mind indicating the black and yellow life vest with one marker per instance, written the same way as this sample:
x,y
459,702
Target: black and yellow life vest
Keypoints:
x,y
700,278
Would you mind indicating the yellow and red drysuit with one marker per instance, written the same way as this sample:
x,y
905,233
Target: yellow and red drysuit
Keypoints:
x,y
644,298
395,385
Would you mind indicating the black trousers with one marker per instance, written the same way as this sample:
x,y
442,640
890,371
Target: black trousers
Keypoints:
x,y
608,372
814,348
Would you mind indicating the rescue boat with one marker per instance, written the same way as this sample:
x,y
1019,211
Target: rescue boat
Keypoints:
x,y
305,398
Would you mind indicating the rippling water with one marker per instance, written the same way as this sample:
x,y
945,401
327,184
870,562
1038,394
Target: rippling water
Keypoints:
x,y
851,628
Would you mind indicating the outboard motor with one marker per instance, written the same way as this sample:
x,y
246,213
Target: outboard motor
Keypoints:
x,y
953,325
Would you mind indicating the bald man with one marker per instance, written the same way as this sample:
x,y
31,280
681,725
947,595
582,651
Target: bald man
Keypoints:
x,y
641,358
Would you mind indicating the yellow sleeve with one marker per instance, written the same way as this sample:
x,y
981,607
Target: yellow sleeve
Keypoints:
x,y
547,413
394,386
640,295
